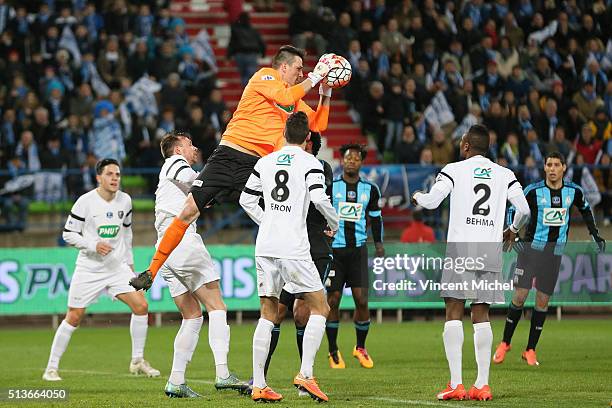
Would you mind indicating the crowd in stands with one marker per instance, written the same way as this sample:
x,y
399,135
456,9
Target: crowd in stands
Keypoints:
x,y
537,73
85,79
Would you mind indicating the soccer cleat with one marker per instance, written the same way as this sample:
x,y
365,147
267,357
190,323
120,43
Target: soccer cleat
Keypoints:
x,y
480,394
311,387
458,393
266,394
143,281
180,391
500,352
142,366
336,360
530,357
51,374
362,355
232,383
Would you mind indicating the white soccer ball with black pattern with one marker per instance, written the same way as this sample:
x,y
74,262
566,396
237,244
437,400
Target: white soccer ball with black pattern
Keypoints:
x,y
340,72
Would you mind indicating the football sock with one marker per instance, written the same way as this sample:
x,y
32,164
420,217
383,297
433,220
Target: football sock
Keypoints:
x,y
453,345
331,328
483,341
261,346
185,343
361,332
512,320
172,237
273,342
139,324
537,324
60,342
219,341
313,334
299,337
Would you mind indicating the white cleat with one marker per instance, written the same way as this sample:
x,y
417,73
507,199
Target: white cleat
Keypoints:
x,y
142,366
51,374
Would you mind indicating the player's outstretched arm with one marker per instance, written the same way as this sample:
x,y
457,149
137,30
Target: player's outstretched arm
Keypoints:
x,y
249,199
587,215
436,195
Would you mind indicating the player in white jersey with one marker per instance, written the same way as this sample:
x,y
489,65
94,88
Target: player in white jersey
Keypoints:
x,y
288,180
100,226
190,273
479,189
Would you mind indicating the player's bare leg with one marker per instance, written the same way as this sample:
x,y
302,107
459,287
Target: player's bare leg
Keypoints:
x,y
139,324
210,297
313,334
171,239
60,342
331,329
185,343
515,311
453,347
361,319
483,341
261,347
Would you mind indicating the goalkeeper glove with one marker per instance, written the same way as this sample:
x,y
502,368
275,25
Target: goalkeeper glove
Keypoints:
x,y
601,243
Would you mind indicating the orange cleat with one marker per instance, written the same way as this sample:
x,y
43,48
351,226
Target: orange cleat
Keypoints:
x,y
500,352
310,386
480,394
364,358
266,394
458,393
336,360
530,357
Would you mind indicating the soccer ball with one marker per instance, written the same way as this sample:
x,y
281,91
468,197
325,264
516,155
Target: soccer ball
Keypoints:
x,y
340,72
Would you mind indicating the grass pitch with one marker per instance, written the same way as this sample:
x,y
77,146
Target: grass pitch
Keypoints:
x,y
410,367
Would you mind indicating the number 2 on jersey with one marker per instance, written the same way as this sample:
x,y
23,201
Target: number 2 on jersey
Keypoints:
x,y
478,209
280,193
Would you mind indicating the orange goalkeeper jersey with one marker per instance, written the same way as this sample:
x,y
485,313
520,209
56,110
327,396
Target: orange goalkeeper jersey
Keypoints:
x,y
264,107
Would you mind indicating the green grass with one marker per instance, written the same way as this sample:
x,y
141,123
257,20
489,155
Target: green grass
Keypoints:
x,y
410,367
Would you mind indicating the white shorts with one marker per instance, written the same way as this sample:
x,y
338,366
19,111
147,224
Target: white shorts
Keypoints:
x,y
189,266
467,286
296,275
86,286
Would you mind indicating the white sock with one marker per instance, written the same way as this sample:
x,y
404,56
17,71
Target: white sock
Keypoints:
x,y
453,345
185,343
315,328
261,347
219,340
60,342
483,341
138,331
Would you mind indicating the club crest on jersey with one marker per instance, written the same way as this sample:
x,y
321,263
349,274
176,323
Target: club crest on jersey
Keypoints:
x,y
482,173
267,78
351,194
284,159
108,231
556,200
109,214
554,217
364,197
120,215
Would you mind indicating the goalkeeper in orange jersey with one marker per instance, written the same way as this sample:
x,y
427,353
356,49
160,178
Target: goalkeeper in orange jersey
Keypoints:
x,y
255,130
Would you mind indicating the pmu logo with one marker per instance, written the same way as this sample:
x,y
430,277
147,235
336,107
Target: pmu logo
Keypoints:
x,y
554,217
284,159
481,173
108,231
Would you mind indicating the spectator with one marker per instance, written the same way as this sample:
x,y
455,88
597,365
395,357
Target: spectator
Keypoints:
x,y
166,63
408,150
602,127
56,104
188,69
587,100
493,146
173,94
417,230
535,148
508,57
342,35
203,135
42,128
111,63
216,112
543,76
549,121
373,114
518,83
393,41
510,150
594,74
587,146
26,153
9,132
144,21
394,115
378,61
75,141
581,175
460,59
426,158
442,149
106,138
304,26
140,62
531,171
245,46
560,143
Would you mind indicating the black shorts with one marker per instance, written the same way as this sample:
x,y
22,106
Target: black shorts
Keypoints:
x,y
223,177
350,268
323,263
539,269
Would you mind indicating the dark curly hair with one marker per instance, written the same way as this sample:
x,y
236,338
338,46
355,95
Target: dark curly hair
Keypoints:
x,y
354,146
